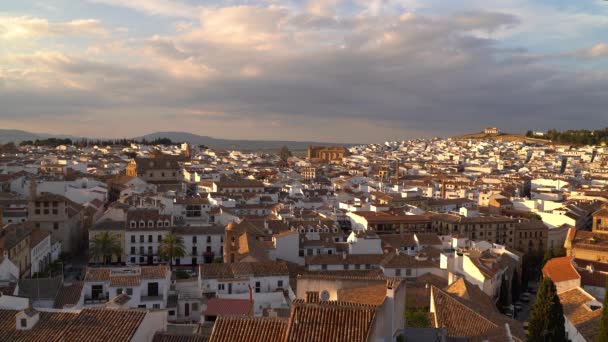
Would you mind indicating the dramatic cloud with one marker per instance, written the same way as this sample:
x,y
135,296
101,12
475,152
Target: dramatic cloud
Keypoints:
x,y
272,71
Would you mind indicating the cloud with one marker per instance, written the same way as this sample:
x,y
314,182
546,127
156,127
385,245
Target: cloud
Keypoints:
x,y
322,7
168,8
369,77
29,27
599,50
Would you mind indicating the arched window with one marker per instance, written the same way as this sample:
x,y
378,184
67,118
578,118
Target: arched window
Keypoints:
x,y
142,224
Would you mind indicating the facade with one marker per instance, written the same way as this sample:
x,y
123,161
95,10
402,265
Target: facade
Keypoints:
x,y
15,246
62,218
144,287
326,153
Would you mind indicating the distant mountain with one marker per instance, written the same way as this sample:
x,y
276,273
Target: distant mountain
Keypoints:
x,y
241,145
17,136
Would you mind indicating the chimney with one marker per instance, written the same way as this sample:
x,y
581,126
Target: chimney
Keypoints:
x,y
312,297
26,319
389,308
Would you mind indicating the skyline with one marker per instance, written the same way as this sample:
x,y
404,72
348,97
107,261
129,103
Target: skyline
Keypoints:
x,y
334,71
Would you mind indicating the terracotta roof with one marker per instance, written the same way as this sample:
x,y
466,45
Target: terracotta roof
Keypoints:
x,y
50,327
226,306
89,325
464,318
325,321
251,329
370,295
170,337
240,269
560,269
578,313
126,276
465,290
68,295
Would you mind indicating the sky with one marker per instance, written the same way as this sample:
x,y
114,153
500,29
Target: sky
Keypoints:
x,y
320,70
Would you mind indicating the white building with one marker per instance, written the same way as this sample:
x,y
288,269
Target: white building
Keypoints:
x,y
145,286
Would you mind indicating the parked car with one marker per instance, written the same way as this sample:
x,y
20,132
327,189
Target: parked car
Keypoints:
x,y
525,297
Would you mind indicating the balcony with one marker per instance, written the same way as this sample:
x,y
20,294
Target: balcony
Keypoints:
x,y
151,299
95,301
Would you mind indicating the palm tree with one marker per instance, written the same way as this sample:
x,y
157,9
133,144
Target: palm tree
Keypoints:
x,y
103,246
171,247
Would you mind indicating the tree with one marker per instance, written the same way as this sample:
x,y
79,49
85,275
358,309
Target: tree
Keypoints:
x,y
547,315
417,318
103,246
548,256
171,247
503,299
515,285
284,154
603,335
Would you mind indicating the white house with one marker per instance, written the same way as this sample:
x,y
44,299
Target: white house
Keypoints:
x,y
145,286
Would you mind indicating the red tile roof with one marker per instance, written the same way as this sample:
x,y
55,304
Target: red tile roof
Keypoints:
x,y
560,269
250,329
330,321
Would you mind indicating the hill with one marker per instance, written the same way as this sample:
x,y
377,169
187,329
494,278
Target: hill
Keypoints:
x,y
242,145
17,136
500,137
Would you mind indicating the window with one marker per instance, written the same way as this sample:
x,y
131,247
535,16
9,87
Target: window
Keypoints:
x,y
149,238
301,253
160,238
55,225
142,224
398,272
208,239
142,306
155,306
141,250
194,250
149,250
97,291
132,238
257,287
194,239
141,239
194,306
133,224
345,266
55,212
23,322
324,267
357,266
279,283
133,259
153,289
221,287
408,272
129,291
132,250
171,312
118,291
